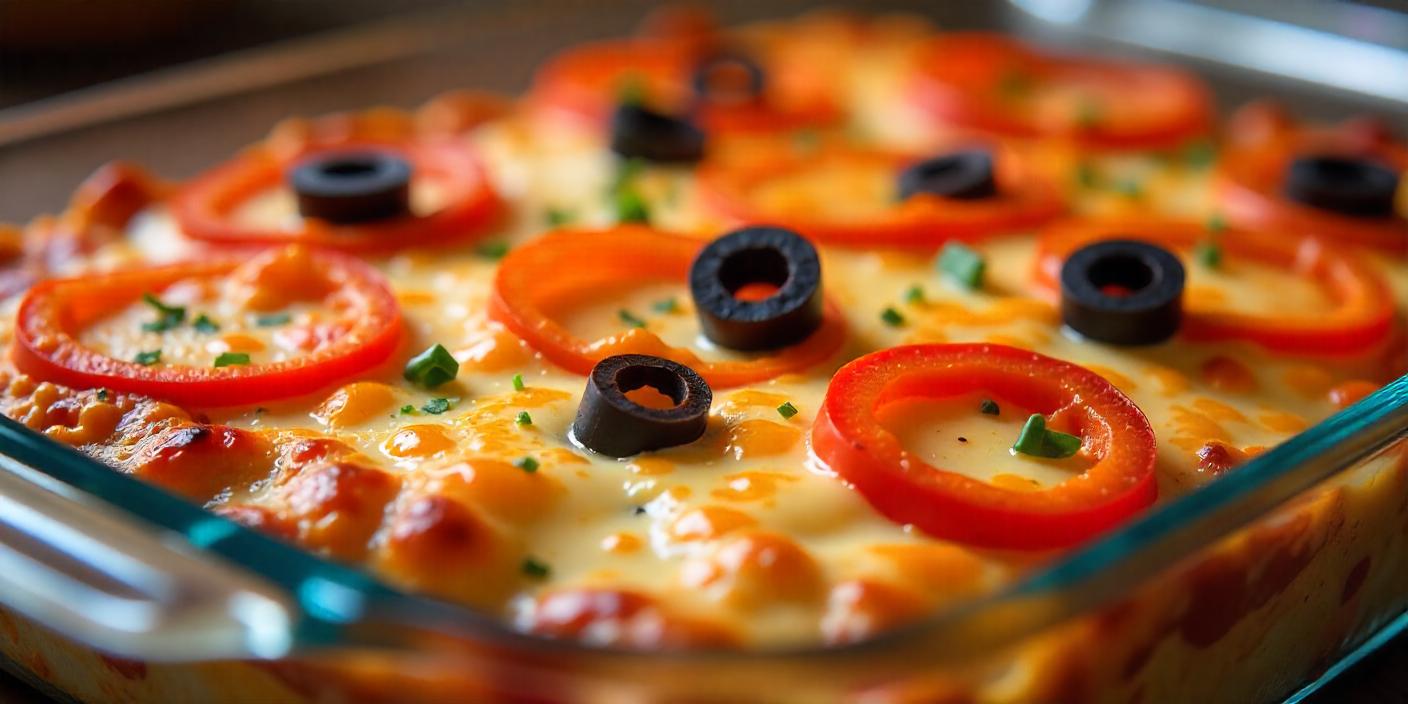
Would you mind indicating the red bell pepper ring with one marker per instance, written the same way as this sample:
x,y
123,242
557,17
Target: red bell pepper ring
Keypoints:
x,y
364,333
1361,316
1262,140
849,440
993,83
206,208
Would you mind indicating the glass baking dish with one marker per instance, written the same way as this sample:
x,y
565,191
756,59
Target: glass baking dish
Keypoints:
x,y
125,568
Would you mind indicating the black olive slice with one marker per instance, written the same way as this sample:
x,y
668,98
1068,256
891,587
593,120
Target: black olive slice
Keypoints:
x,y
1122,292
610,423
757,255
729,78
1346,185
352,186
637,132
963,175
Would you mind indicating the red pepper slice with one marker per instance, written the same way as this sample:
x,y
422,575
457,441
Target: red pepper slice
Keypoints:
x,y
365,332
206,208
846,196
994,83
1360,319
850,441
567,265
585,82
1260,143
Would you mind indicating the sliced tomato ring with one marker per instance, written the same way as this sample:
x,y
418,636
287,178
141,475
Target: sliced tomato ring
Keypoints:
x,y
850,440
1262,140
584,83
366,331
568,265
208,208
847,196
990,82
1360,315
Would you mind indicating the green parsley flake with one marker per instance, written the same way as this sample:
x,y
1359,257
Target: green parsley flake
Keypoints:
x,y
230,359
432,367
962,265
1216,224
535,569
527,464
408,410
1039,441
630,318
914,295
436,406
989,407
492,250
147,359
1199,154
523,418
787,410
892,317
630,206
1087,175
557,217
667,305
517,382
272,320
626,174
203,323
1208,254
167,317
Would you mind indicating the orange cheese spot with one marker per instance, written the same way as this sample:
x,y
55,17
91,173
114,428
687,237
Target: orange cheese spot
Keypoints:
x,y
1170,381
1204,297
621,543
708,523
936,568
755,570
760,438
441,546
1309,381
415,297
1014,482
1218,410
1283,421
650,397
561,455
1229,375
751,486
355,403
1121,382
1350,392
236,342
496,351
651,466
96,421
418,441
272,282
1194,428
498,488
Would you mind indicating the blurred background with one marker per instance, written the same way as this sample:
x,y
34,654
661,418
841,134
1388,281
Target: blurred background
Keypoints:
x,y
176,84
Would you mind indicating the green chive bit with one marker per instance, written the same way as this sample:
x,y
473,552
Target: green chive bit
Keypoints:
x,y
492,250
203,323
231,359
517,382
272,320
436,406
914,295
408,410
963,265
666,305
989,407
627,172
432,367
1087,176
557,217
147,359
1038,441
630,318
1216,224
167,317
535,569
527,464
892,317
523,418
787,410
630,206
1208,254
1199,154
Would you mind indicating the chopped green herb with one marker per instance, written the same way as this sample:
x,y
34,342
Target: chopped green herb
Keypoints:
x,y
557,217
203,323
408,410
666,305
230,359
432,367
272,320
535,569
1199,154
892,317
167,317
523,418
492,250
627,172
630,318
102,394
989,407
1208,254
1087,175
914,295
1088,114
1216,224
630,206
1039,441
787,410
147,359
963,265
436,406
517,382
527,464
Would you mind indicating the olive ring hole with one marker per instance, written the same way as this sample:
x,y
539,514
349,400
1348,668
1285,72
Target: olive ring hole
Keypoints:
x,y
750,267
1121,274
635,378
